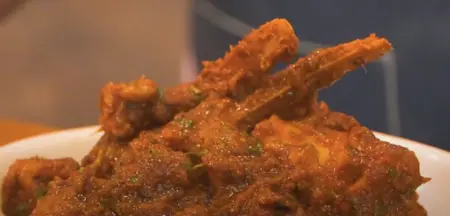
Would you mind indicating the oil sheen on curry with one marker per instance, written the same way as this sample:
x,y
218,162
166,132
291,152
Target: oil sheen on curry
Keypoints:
x,y
236,141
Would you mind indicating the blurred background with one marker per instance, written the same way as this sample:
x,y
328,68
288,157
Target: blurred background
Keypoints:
x,y
56,55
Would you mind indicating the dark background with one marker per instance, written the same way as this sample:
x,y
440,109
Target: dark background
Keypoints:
x,y
419,31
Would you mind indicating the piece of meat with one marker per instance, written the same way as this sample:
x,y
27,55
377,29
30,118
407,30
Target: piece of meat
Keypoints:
x,y
188,125
325,164
246,63
352,171
299,82
157,184
261,104
124,106
242,69
291,87
269,149
128,108
323,67
107,155
27,181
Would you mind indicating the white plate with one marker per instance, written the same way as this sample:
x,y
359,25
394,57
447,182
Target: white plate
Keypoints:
x,y
76,143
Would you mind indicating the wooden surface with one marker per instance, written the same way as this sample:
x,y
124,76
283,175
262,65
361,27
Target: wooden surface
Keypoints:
x,y
13,130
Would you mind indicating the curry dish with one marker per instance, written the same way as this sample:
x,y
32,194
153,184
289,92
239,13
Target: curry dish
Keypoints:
x,y
235,141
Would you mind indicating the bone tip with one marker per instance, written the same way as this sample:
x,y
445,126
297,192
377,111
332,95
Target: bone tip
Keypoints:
x,y
279,23
380,41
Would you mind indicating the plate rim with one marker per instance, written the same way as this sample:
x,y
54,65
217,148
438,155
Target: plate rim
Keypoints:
x,y
91,129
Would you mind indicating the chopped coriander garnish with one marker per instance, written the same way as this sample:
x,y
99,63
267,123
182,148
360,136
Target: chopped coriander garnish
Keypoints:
x,y
160,92
380,209
197,93
255,150
355,202
153,140
223,141
189,166
186,123
332,194
352,149
154,152
300,186
200,153
198,98
245,133
106,202
133,179
197,166
195,90
40,192
392,172
22,207
81,169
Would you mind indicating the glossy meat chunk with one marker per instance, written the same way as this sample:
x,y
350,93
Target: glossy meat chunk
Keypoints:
x,y
107,155
238,141
242,69
157,184
350,171
27,181
128,108
324,164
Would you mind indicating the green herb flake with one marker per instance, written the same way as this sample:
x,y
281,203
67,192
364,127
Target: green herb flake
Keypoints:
x,y
153,140
410,193
380,209
198,166
189,124
196,93
255,150
245,133
195,90
106,202
81,170
187,165
355,202
160,92
40,192
200,153
392,172
332,194
22,208
186,123
154,152
133,179
352,149
300,186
